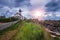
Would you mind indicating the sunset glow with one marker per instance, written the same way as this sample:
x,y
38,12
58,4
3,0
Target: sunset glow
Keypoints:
x,y
38,13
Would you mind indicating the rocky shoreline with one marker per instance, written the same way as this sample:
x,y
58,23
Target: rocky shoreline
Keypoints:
x,y
52,26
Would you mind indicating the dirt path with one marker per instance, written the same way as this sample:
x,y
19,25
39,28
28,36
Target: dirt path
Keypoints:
x,y
8,36
5,25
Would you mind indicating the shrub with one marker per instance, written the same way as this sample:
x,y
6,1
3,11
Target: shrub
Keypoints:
x,y
7,19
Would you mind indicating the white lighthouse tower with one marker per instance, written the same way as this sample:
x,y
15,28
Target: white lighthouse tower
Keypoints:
x,y
19,15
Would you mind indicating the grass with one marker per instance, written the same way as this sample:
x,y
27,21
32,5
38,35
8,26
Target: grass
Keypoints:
x,y
28,31
7,19
7,34
13,27
32,31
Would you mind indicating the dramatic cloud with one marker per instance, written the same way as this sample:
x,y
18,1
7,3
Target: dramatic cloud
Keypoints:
x,y
12,6
39,2
50,7
58,14
7,11
9,3
53,5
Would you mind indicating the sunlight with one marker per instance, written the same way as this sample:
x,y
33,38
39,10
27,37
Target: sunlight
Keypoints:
x,y
38,13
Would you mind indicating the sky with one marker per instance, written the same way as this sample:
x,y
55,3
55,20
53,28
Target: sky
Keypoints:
x,y
50,7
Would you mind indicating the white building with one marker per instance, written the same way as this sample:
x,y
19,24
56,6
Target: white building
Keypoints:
x,y
18,15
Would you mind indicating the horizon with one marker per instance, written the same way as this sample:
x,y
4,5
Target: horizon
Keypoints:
x,y
50,7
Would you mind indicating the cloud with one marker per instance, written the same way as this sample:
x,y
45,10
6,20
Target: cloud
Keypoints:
x,y
22,3
26,12
53,5
9,3
57,14
7,11
51,16
12,6
39,3
14,3
3,10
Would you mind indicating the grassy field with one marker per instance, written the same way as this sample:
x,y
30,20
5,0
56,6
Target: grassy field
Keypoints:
x,y
8,33
29,31
7,19
26,31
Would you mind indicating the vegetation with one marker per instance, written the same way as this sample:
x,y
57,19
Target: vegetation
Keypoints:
x,y
13,27
8,19
28,31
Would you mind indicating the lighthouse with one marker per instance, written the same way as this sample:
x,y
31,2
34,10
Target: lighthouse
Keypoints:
x,y
19,15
